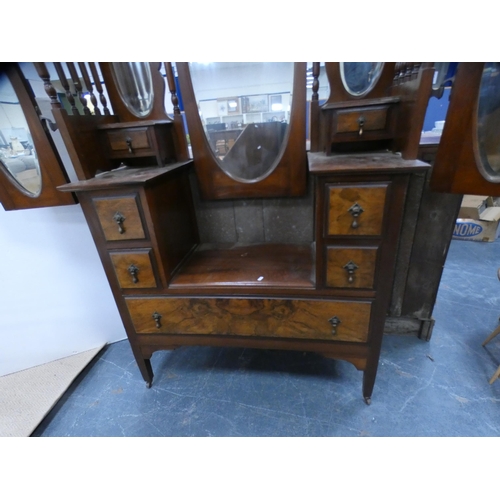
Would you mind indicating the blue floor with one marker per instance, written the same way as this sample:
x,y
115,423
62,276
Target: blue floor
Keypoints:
x,y
436,388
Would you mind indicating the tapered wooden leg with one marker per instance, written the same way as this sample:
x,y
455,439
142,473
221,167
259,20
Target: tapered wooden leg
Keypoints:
x,y
495,375
144,365
369,381
492,335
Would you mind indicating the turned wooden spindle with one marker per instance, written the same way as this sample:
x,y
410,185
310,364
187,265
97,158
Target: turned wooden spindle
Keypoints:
x,y
402,70
171,87
416,70
408,72
98,86
89,86
44,74
315,86
65,85
78,86
397,67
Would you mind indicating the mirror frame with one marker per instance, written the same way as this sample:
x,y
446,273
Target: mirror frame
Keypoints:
x,y
287,177
52,170
338,92
120,108
457,168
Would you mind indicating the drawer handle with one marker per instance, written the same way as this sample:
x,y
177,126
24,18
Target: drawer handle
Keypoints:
x,y
157,317
350,267
133,270
119,219
128,140
335,322
361,123
356,210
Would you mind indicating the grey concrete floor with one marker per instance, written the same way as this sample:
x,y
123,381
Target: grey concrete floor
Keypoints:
x,y
435,388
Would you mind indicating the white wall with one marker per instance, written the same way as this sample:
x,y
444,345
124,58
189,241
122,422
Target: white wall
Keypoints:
x,y
55,300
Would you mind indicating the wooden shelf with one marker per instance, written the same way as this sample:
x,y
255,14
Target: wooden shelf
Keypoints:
x,y
261,265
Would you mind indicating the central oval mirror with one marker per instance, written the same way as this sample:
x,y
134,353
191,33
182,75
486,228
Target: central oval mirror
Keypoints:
x,y
359,78
245,112
488,121
18,157
135,86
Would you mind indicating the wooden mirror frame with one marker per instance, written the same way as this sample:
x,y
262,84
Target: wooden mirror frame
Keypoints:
x,y
288,177
458,162
338,93
52,171
119,107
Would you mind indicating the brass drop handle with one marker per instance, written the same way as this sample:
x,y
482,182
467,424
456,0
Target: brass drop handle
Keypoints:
x,y
133,270
157,317
128,140
335,322
361,123
119,218
350,267
356,210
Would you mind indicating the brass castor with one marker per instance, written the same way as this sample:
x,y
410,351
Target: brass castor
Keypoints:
x,y
149,384
368,400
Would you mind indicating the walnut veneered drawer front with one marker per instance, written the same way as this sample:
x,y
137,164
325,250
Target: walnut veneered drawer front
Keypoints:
x,y
129,141
361,120
120,218
134,269
284,318
350,267
355,209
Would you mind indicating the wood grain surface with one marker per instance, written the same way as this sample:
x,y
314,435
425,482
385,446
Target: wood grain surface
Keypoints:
x,y
363,276
341,198
106,208
304,319
142,260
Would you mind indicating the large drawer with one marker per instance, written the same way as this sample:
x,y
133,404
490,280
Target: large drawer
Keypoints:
x,y
284,318
356,209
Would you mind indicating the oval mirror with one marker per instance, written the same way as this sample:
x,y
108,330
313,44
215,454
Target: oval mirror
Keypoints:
x,y
488,121
245,112
135,86
18,157
359,78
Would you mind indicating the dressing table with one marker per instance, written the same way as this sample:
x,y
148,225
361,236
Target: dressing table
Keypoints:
x,y
320,281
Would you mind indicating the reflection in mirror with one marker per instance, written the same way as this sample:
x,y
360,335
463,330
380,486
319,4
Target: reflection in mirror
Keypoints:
x,y
135,85
359,78
18,157
488,119
245,111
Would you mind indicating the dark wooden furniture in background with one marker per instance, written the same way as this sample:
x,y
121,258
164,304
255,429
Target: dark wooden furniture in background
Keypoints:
x,y
177,281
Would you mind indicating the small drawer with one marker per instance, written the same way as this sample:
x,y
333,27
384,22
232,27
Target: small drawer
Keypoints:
x,y
301,319
120,218
361,120
349,267
134,269
355,209
129,142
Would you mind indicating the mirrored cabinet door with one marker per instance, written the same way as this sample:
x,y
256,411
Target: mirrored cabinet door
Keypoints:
x,y
30,167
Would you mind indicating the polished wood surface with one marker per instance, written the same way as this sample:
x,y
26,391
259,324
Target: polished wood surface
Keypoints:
x,y
132,227
263,265
338,257
349,120
341,198
306,319
143,275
